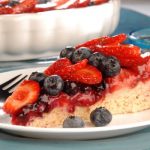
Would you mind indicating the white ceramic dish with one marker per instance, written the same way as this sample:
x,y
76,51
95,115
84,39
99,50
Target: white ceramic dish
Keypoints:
x,y
24,36
120,124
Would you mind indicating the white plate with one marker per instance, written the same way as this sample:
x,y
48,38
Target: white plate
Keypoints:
x,y
120,125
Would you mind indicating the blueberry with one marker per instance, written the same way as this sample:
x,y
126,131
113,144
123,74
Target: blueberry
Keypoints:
x,y
110,66
96,58
80,54
53,85
73,122
100,87
67,52
13,3
100,117
85,88
70,87
37,76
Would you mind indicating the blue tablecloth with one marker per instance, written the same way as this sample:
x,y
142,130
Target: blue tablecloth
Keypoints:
x,y
129,21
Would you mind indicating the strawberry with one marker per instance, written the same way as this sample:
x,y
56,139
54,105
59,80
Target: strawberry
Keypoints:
x,y
64,68
60,2
83,3
6,10
80,72
57,66
93,42
105,40
128,51
68,4
136,61
87,75
41,8
74,67
26,93
117,39
4,2
66,72
25,6
97,2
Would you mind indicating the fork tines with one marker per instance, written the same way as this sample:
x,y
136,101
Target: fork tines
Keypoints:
x,y
7,83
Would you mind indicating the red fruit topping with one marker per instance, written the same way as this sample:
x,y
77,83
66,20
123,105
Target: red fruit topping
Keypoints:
x,y
4,2
61,101
6,10
126,78
133,62
40,8
97,2
57,66
68,4
87,75
64,68
93,42
125,51
26,93
75,67
144,70
85,99
117,39
83,3
114,40
25,6
60,2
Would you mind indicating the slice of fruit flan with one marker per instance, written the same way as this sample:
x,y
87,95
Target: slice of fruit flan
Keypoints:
x,y
89,83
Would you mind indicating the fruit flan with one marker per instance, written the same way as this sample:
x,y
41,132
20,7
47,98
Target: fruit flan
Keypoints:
x,y
89,84
34,6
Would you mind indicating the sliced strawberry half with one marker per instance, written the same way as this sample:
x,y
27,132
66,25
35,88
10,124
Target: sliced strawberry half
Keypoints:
x,y
127,51
93,42
103,41
83,3
117,39
6,10
26,93
57,66
133,62
87,75
68,4
64,68
24,6
97,2
4,2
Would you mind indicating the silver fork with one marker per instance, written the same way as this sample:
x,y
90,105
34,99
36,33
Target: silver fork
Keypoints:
x,y
5,89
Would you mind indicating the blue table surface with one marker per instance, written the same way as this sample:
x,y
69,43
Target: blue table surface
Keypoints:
x,y
129,21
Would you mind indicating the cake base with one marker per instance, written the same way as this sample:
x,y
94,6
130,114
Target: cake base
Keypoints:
x,y
123,101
